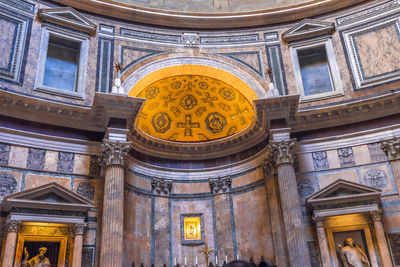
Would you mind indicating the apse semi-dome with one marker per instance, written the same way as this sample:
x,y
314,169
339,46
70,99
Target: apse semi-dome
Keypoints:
x,y
193,108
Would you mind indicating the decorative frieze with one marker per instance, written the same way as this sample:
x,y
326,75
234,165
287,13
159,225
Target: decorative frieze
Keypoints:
x,y
346,157
392,148
12,225
161,187
8,184
235,39
151,36
368,13
320,160
283,152
114,152
220,185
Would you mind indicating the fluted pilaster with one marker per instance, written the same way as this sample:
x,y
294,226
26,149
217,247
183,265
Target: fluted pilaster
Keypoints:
x,y
114,156
283,154
78,231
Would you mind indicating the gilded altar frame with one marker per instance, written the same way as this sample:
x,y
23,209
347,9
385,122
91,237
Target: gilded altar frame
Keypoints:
x,y
22,238
195,221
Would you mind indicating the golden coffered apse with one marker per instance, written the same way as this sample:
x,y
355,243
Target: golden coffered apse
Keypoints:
x,y
193,108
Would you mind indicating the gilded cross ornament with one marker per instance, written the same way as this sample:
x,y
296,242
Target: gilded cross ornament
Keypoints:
x,y
392,148
188,125
114,152
283,151
206,253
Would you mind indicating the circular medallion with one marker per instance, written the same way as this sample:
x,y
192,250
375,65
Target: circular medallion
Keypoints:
x,y
86,190
161,122
227,94
376,178
203,85
188,102
152,92
176,85
215,123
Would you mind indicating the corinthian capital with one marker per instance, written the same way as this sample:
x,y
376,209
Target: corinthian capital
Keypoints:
x,y
114,152
79,228
376,215
283,152
12,225
392,148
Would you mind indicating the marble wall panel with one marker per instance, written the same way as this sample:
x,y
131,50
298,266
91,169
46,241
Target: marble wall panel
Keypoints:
x,y
7,32
161,232
346,157
88,257
10,182
395,166
137,229
306,163
81,164
138,181
36,158
223,226
306,185
325,179
51,160
320,160
190,188
35,180
179,207
253,231
314,255
4,153
376,153
18,156
65,162
378,50
361,155
333,159
394,241
248,178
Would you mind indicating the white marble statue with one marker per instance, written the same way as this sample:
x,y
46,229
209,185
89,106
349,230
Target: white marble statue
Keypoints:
x,y
352,254
39,260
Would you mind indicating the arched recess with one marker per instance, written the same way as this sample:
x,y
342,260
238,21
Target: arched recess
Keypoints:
x,y
218,68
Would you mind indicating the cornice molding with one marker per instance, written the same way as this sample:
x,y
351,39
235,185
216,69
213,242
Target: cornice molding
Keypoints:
x,y
94,118
216,20
308,28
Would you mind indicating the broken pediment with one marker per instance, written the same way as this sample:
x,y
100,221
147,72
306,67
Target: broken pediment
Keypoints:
x,y
49,196
308,28
342,191
69,18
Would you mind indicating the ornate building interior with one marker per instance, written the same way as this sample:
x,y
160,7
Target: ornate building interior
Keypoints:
x,y
195,132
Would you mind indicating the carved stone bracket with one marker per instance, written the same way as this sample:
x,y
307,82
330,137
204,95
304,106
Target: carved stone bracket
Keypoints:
x,y
12,225
283,152
319,221
161,187
220,185
79,228
376,216
392,148
114,152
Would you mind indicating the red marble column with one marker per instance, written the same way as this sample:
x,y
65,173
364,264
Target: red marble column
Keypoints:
x,y
11,241
296,243
322,242
78,230
111,250
380,236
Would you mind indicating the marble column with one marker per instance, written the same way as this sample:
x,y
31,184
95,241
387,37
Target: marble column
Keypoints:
x,y
283,152
380,236
11,242
78,230
113,155
322,242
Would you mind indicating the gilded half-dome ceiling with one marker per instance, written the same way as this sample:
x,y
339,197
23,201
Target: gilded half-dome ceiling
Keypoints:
x,y
193,108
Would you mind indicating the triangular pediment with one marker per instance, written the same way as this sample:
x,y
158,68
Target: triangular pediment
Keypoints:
x,y
67,17
342,191
308,28
49,196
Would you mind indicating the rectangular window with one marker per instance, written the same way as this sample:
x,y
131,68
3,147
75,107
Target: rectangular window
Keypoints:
x,y
315,71
62,63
